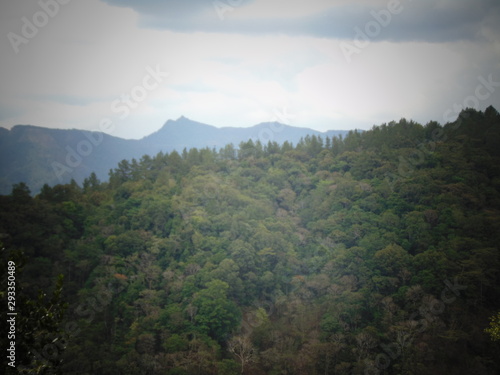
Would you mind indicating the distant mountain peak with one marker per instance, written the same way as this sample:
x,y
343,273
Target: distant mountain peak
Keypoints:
x,y
29,153
184,120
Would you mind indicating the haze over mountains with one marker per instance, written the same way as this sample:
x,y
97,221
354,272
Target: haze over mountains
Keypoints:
x,y
39,156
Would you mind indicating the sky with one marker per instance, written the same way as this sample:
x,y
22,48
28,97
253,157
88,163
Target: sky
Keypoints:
x,y
322,64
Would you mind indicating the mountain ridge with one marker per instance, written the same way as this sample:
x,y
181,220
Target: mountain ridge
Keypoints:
x,y
37,155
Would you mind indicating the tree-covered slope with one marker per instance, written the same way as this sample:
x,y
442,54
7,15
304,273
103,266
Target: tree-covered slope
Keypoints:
x,y
373,254
38,156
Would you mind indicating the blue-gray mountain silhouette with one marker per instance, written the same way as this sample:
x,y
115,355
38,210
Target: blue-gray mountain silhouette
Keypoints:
x,y
37,156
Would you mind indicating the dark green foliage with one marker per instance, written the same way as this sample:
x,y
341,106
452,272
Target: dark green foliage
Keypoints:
x,y
373,253
39,336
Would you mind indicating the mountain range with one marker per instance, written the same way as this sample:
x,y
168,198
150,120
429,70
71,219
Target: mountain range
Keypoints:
x,y
37,156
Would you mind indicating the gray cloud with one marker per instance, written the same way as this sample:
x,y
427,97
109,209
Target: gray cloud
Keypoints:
x,y
423,20
7,112
164,7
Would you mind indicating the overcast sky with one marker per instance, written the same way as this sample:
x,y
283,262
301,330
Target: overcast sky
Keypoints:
x,y
323,64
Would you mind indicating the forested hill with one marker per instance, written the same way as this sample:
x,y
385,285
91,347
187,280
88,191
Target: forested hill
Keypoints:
x,y
377,253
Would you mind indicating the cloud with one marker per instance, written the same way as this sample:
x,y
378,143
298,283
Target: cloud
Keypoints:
x,y
167,8
264,56
423,20
8,112
71,100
